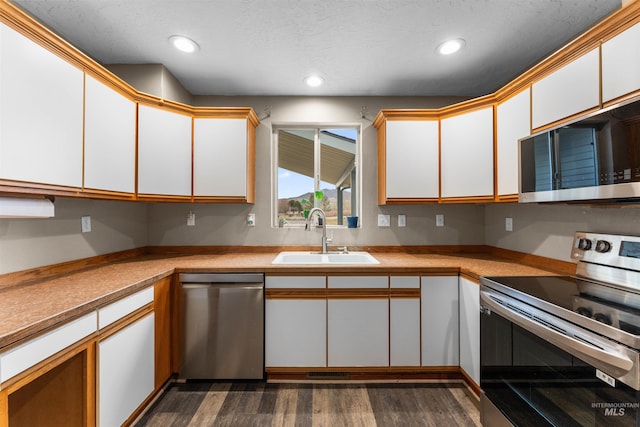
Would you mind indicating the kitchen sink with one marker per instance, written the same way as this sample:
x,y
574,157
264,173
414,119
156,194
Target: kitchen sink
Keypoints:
x,y
329,258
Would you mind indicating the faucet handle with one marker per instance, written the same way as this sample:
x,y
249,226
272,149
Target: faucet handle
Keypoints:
x,y
344,249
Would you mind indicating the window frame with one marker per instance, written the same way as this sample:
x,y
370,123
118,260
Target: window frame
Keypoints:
x,y
277,127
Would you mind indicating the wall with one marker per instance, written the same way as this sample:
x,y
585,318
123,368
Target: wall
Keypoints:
x,y
29,243
547,230
226,224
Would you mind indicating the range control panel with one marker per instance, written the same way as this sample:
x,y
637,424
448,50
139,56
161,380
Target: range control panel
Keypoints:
x,y
607,250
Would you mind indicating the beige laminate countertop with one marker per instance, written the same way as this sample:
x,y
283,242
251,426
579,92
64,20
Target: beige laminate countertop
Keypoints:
x,y
29,309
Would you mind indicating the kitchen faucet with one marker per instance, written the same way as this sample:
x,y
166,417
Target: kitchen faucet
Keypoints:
x,y
320,212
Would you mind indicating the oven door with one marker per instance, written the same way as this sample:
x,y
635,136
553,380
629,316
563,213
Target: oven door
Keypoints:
x,y
532,377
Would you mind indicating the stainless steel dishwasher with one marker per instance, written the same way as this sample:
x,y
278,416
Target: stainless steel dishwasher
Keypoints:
x,y
221,326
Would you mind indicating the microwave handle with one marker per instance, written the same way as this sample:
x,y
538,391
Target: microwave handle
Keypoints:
x,y
607,360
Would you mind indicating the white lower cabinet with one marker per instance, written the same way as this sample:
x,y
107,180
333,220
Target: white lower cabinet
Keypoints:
x,y
404,325
440,325
295,332
470,328
125,371
404,321
358,332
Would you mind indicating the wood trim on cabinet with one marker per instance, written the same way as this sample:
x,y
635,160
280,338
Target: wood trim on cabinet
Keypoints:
x,y
44,366
506,198
162,307
250,196
470,199
411,201
163,198
295,293
357,293
404,292
382,160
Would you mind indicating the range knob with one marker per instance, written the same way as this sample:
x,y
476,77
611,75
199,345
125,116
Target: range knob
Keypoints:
x,y
603,246
602,318
584,244
584,311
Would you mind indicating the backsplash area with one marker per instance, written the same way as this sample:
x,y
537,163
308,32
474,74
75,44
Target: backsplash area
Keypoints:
x,y
544,230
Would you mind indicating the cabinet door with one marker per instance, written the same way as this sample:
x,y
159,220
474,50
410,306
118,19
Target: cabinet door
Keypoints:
x,y
404,321
470,328
40,114
358,332
467,154
513,123
621,64
109,139
295,333
220,157
164,152
125,371
570,90
440,327
412,159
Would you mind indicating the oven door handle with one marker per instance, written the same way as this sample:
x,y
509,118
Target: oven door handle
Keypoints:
x,y
606,358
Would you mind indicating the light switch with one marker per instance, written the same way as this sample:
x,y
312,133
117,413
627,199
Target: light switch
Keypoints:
x,y
508,224
191,219
86,224
440,220
402,220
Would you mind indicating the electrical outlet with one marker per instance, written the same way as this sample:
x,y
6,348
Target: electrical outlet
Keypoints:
x,y
384,220
251,220
440,220
191,219
508,224
86,224
402,220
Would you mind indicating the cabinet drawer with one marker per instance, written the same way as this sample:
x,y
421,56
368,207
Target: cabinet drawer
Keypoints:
x,y
358,281
295,282
38,349
117,310
404,281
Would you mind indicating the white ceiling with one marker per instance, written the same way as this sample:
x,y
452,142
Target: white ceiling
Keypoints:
x,y
360,47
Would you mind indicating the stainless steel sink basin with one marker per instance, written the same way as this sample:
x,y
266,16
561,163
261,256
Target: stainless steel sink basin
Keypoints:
x,y
331,258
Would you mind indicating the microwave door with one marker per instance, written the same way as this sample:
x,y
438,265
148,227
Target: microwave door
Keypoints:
x,y
576,158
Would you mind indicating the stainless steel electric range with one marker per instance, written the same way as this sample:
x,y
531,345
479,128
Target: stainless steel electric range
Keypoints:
x,y
565,350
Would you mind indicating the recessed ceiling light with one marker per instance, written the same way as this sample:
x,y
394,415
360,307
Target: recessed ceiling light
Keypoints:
x,y
450,46
314,81
184,44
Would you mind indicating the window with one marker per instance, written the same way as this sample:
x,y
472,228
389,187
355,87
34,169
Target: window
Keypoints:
x,y
315,167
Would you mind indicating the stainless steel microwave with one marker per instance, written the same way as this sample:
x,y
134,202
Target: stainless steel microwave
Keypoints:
x,y
596,158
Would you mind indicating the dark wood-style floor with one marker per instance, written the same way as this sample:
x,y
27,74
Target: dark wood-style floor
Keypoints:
x,y
241,404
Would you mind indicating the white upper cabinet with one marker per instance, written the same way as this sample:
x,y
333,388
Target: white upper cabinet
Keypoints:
x,y
41,107
109,139
467,154
513,123
164,152
621,64
412,159
570,90
220,157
